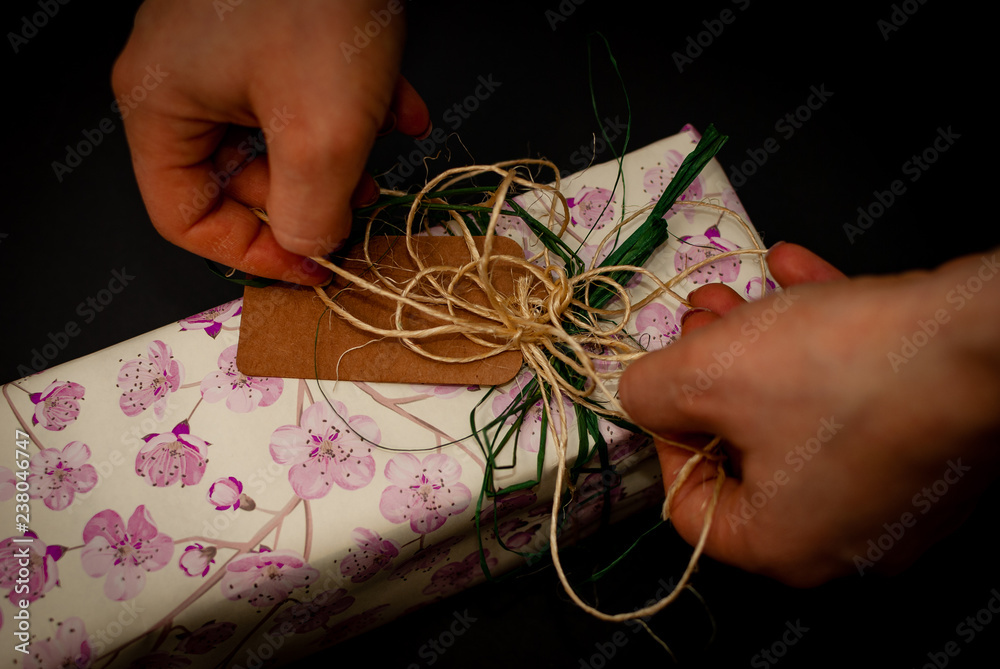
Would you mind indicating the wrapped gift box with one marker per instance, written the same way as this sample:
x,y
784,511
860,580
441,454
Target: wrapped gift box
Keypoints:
x,y
166,511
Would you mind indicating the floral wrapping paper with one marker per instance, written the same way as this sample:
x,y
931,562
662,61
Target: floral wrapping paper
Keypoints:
x,y
161,509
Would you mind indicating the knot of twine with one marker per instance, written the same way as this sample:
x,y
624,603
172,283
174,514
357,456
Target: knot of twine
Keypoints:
x,y
547,317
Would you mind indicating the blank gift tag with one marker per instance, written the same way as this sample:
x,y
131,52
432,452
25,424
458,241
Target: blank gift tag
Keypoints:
x,y
287,331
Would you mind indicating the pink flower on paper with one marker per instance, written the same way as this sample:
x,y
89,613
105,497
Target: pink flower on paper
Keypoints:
x,y
457,576
57,406
206,638
267,577
696,248
354,625
326,450
43,574
753,291
196,560
211,321
425,558
657,178
593,208
172,457
56,477
124,553
657,326
529,436
504,505
70,648
8,483
242,393
732,202
621,443
312,615
374,554
225,494
425,493
146,383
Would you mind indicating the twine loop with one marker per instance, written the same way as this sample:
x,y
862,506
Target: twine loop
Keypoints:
x,y
547,316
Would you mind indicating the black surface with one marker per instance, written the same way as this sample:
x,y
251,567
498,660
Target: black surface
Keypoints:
x,y
62,241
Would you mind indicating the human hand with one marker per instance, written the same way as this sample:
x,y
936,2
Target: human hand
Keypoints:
x,y
293,69
836,445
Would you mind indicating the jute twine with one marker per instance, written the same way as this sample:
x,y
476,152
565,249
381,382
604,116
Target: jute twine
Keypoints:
x,y
534,320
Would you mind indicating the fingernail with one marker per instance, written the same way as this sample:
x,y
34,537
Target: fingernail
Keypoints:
x,y
774,246
427,131
388,125
693,310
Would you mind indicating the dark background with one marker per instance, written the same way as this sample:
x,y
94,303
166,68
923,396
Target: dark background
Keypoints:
x,y
61,241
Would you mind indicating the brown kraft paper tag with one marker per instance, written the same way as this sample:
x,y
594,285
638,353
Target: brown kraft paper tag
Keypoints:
x,y
287,331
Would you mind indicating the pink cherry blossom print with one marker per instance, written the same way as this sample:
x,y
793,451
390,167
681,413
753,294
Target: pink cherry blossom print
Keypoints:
x,y
529,437
8,483
43,574
124,553
57,476
732,202
211,321
172,457
592,208
753,291
206,638
371,556
656,326
314,614
696,248
69,648
57,406
442,392
425,493
621,443
242,393
225,494
196,560
148,382
324,450
456,576
266,578
657,178
355,625
504,505
424,559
